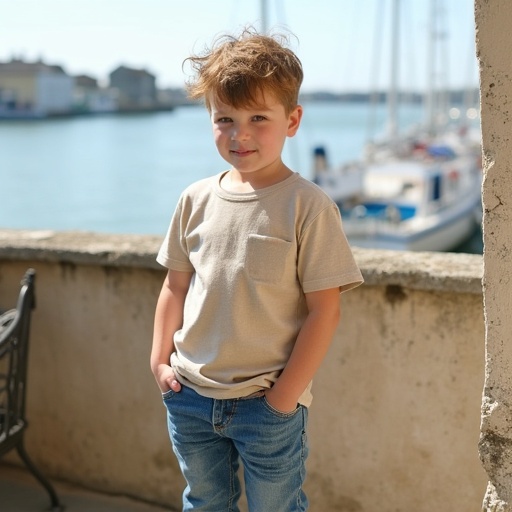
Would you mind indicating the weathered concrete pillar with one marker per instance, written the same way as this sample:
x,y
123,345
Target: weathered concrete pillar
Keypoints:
x,y
494,50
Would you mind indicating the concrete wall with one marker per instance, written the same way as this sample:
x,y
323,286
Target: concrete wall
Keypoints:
x,y
494,49
394,424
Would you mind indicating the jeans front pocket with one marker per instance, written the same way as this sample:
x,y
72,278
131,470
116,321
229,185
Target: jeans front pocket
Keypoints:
x,y
168,394
266,257
278,413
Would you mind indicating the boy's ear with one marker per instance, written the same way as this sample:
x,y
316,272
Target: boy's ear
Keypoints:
x,y
294,121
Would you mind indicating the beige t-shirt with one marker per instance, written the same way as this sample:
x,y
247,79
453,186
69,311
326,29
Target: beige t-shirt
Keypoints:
x,y
254,256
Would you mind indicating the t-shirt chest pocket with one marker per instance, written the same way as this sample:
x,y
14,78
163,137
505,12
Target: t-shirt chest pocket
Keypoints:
x,y
266,258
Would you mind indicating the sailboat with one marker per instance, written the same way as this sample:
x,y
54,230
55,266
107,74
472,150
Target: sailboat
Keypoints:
x,y
415,192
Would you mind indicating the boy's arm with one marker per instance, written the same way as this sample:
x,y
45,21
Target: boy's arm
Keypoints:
x,y
168,319
309,351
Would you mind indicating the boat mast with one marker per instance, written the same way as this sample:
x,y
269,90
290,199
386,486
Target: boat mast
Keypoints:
x,y
264,16
393,88
431,69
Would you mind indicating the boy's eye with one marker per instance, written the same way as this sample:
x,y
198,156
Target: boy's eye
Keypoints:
x,y
224,120
259,118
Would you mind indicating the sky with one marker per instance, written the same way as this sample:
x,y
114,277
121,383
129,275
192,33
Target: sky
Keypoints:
x,y
336,40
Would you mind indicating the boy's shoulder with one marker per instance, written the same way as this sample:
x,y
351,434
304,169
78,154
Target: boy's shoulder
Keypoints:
x,y
199,188
310,190
200,184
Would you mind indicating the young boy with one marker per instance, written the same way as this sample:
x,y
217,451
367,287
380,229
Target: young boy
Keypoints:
x,y
256,260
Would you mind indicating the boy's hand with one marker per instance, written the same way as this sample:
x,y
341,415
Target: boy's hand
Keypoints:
x,y
281,402
166,379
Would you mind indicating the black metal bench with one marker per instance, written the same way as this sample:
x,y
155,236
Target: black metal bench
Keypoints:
x,y
14,345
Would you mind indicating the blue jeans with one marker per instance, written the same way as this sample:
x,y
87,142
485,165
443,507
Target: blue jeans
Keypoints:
x,y
210,437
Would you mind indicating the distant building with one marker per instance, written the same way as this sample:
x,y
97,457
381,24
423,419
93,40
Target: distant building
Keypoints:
x,y
136,88
34,88
88,97
175,97
86,82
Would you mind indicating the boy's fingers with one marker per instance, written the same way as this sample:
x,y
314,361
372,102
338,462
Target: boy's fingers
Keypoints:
x,y
175,385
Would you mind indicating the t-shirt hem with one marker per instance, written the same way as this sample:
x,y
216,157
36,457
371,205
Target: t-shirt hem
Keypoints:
x,y
233,393
344,283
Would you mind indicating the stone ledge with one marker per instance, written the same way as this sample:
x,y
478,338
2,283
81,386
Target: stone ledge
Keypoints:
x,y
450,272
434,271
80,247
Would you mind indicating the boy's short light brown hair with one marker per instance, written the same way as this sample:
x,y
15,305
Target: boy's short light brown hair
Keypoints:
x,y
237,70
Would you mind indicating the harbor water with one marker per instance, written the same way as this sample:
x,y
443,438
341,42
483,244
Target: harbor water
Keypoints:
x,y
124,173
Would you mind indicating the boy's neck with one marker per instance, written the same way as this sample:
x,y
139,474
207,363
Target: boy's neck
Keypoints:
x,y
235,181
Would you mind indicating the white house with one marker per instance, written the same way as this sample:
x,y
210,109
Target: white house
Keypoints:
x,y
34,88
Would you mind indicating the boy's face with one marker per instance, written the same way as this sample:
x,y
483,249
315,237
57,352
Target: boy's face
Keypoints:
x,y
251,139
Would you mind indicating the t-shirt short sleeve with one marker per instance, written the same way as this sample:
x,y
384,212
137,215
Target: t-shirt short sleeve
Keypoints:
x,y
325,259
173,252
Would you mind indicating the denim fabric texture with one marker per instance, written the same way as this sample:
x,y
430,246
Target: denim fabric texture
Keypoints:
x,y
211,437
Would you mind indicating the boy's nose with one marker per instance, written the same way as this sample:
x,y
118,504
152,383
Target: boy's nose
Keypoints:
x,y
239,132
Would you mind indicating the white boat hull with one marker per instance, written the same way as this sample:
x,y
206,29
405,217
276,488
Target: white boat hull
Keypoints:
x,y
441,232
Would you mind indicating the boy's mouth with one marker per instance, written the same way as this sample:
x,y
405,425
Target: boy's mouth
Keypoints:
x,y
242,152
